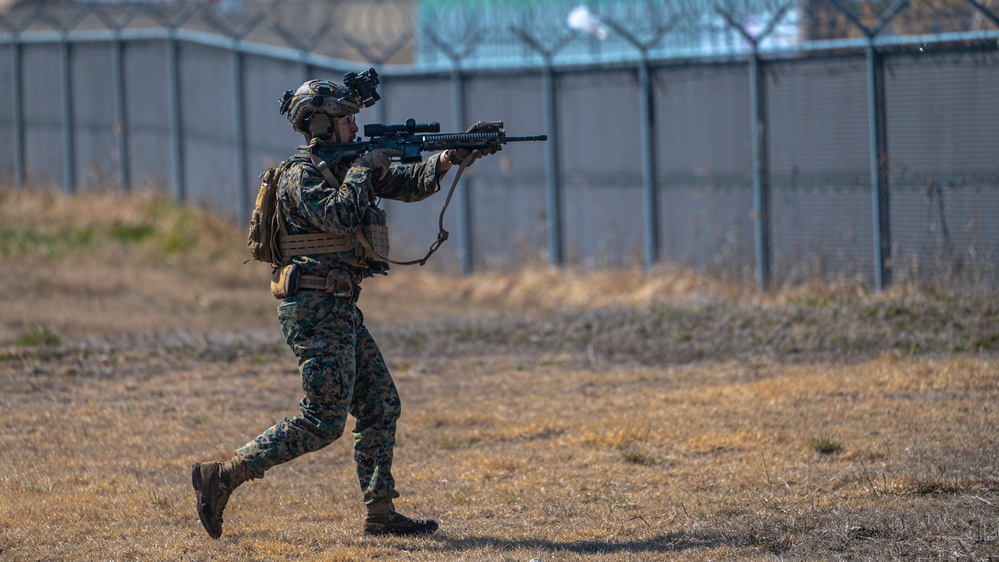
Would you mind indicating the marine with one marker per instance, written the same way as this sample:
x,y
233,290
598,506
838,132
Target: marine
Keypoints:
x,y
329,236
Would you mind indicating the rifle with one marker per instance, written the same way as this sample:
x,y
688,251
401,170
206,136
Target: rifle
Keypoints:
x,y
412,138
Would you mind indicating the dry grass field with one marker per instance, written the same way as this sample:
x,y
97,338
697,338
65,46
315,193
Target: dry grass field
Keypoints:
x,y
547,415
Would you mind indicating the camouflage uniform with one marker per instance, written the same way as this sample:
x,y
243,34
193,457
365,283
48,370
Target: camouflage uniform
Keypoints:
x,y
342,368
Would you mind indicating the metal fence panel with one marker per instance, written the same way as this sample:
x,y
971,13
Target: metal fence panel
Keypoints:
x,y
944,168
95,155
43,140
601,167
514,99
817,117
708,227
703,149
703,118
597,112
510,222
819,168
507,191
269,135
206,117
147,104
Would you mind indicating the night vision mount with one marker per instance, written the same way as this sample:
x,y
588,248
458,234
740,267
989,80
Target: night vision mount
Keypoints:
x,y
363,86
317,95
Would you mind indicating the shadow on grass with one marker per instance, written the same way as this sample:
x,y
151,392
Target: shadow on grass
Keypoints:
x,y
672,542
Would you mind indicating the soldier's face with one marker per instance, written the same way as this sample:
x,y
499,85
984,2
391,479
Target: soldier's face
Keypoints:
x,y
348,128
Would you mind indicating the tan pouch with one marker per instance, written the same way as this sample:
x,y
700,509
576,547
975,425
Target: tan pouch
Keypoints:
x,y
339,284
375,229
284,281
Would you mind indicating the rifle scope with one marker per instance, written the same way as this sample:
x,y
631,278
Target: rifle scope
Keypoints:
x,y
410,127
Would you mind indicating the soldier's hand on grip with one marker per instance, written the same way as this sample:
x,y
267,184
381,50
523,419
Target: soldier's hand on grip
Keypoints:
x,y
378,160
457,155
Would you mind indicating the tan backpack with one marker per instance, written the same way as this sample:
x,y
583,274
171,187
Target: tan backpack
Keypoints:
x,y
266,221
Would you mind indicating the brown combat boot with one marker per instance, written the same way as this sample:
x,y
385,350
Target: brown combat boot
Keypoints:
x,y
213,483
383,520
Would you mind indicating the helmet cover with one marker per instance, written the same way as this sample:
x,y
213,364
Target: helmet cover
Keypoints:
x,y
318,98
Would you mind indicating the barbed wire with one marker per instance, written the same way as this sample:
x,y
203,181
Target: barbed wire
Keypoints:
x,y
449,32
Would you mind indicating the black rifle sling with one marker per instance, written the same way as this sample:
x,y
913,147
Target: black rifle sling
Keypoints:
x,y
441,236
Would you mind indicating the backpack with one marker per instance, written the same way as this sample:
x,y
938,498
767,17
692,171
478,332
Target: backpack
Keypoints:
x,y
266,221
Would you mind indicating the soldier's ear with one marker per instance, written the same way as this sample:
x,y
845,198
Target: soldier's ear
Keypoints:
x,y
321,126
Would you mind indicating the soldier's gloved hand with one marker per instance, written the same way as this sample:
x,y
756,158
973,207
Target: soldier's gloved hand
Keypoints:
x,y
378,160
457,155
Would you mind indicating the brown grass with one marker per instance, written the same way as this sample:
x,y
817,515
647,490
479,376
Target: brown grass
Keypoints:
x,y
550,415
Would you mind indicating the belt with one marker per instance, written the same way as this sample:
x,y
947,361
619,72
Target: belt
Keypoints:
x,y
313,282
337,283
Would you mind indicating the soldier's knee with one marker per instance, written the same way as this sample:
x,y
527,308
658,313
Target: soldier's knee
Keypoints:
x,y
327,432
329,435
391,409
387,402
325,427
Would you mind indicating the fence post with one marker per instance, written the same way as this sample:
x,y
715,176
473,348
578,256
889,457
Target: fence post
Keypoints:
x,y
176,119
239,131
878,138
465,193
17,100
759,141
880,194
120,119
236,32
761,172
456,50
647,132
120,125
304,70
553,188
68,128
650,189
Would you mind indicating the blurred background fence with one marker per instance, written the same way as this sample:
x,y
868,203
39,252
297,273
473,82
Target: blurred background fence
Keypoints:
x,y
781,141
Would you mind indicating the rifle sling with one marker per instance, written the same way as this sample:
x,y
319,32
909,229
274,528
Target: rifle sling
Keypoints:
x,y
323,167
442,235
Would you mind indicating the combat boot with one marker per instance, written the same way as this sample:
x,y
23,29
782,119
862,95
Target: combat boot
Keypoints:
x,y
383,520
213,483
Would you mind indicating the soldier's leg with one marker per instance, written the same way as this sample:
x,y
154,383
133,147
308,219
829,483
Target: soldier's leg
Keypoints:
x,y
326,382
321,332
375,405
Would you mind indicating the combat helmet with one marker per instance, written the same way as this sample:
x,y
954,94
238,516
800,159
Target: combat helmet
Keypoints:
x,y
317,105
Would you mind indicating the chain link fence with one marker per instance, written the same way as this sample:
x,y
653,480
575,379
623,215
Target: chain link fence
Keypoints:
x,y
781,140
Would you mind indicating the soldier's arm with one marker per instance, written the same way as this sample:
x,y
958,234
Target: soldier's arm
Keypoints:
x,y
312,205
414,182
